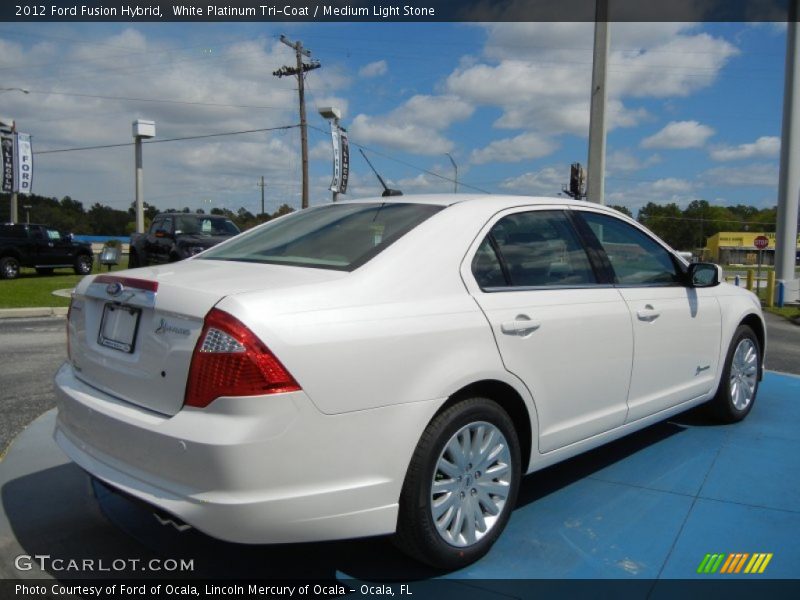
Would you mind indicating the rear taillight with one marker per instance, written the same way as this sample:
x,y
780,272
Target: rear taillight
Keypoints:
x,y
229,360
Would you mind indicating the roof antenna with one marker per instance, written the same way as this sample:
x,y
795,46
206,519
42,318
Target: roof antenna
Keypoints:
x,y
387,191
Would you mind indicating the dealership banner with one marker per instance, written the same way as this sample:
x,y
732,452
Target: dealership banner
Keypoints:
x,y
345,151
7,149
335,183
23,161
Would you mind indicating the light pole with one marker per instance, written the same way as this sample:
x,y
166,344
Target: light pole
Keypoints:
x,y
455,168
141,130
27,208
332,115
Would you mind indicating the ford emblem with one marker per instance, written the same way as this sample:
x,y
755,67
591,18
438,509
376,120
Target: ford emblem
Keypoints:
x,y
114,289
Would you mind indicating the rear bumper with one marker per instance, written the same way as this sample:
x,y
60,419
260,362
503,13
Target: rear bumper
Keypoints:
x,y
266,469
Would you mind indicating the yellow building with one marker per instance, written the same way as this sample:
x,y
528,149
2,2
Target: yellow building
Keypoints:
x,y
736,248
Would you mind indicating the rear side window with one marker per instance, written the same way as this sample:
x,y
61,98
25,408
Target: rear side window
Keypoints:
x,y
532,249
341,237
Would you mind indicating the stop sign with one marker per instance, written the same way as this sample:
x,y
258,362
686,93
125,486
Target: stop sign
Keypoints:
x,y
761,242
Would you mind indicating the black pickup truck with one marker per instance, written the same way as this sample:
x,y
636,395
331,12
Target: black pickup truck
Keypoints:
x,y
175,236
43,248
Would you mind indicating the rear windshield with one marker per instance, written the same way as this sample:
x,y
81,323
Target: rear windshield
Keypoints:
x,y
205,226
341,237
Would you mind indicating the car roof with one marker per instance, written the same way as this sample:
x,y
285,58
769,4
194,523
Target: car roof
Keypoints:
x,y
497,201
183,214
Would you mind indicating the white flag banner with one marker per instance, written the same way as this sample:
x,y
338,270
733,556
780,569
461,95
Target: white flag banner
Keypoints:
x,y
23,182
336,158
345,163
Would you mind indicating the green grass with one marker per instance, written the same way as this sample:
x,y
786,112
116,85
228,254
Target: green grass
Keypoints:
x,y
31,289
787,312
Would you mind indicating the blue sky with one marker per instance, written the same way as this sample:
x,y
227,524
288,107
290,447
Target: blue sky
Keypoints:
x,y
694,109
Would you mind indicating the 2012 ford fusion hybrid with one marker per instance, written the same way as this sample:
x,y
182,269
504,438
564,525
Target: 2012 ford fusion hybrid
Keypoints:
x,y
393,366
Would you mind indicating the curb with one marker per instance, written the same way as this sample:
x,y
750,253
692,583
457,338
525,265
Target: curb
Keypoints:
x,y
40,311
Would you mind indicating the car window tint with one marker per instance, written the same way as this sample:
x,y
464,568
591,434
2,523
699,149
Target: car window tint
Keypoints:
x,y
637,258
53,235
540,248
486,266
342,236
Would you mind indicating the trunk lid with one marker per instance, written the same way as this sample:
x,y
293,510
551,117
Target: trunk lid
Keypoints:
x,y
132,334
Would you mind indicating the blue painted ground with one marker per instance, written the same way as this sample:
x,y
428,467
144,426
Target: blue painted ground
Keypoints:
x,y
649,506
652,505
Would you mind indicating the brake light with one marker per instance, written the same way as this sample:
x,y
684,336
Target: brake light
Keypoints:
x,y
229,360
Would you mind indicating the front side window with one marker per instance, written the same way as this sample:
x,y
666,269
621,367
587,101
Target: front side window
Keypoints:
x,y
341,237
637,259
532,249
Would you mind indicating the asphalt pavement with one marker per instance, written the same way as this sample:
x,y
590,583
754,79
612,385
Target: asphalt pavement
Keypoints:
x,y
31,350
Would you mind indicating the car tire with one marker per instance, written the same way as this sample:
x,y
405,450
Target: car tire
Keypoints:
x,y
739,383
83,264
9,268
133,260
44,270
455,504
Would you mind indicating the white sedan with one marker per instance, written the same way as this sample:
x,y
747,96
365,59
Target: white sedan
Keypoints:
x,y
393,367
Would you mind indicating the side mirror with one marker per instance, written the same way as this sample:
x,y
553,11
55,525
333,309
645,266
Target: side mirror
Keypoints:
x,y
704,275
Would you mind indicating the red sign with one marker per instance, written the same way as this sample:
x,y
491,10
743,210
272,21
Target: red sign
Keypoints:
x,y
761,242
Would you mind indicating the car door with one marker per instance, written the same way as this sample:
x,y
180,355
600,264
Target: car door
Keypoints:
x,y
562,332
676,327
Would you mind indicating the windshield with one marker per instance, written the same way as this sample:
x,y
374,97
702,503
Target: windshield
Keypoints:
x,y
205,226
342,237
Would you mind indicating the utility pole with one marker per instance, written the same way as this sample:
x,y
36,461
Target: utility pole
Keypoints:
x,y
789,178
262,185
300,71
597,120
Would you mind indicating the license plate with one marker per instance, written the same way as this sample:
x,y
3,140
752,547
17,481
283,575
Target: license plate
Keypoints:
x,y
118,327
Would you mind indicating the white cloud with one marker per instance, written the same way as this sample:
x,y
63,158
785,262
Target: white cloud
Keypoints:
x,y
547,182
763,147
678,135
374,69
754,174
625,161
406,137
672,185
539,74
526,146
415,126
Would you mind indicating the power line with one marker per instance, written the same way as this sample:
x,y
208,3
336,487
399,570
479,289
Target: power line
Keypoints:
x,y
102,97
177,139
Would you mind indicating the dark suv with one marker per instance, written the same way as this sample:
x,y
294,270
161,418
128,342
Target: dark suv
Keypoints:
x,y
43,248
175,236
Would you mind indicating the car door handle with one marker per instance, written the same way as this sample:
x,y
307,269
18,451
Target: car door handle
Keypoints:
x,y
648,313
520,326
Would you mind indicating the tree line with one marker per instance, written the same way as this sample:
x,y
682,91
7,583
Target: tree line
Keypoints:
x,y
70,215
689,228
682,228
